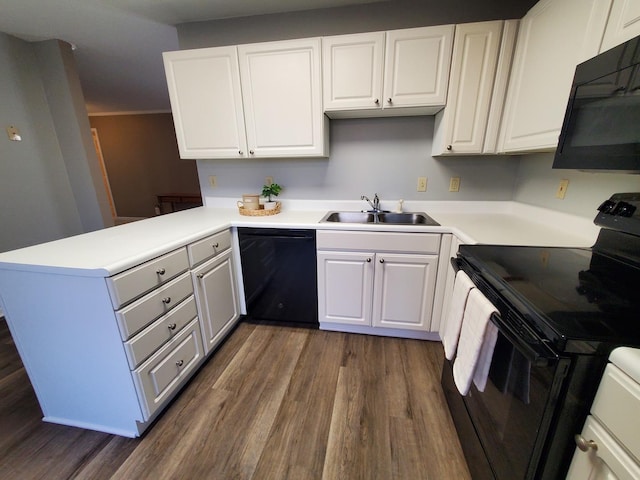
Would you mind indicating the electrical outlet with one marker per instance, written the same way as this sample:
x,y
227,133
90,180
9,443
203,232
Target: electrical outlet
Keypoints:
x,y
268,180
422,184
213,181
562,189
454,184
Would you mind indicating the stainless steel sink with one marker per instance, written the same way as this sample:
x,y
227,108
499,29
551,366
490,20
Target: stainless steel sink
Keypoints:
x,y
349,217
405,218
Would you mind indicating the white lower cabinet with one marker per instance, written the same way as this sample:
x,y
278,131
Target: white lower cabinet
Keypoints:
x,y
217,298
108,353
610,439
378,283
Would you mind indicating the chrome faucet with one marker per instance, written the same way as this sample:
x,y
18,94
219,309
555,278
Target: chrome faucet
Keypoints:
x,y
375,205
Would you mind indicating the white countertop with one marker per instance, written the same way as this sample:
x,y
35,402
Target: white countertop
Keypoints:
x,y
112,250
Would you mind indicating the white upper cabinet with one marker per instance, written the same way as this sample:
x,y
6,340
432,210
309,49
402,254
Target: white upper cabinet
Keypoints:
x,y
282,96
400,72
623,24
352,71
554,36
482,54
206,101
259,100
417,64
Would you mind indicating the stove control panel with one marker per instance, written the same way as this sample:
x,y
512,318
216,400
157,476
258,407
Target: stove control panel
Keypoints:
x,y
620,212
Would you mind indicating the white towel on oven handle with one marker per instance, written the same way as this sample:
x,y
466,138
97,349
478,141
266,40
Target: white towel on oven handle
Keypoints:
x,y
461,287
477,341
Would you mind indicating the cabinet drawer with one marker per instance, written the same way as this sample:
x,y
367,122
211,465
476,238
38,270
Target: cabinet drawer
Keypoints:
x,y
136,281
616,405
163,373
134,317
379,241
140,347
209,247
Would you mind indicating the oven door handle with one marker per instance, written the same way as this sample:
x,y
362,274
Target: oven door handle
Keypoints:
x,y
539,357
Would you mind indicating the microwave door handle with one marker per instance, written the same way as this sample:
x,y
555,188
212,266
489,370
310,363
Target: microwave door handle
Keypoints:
x,y
535,357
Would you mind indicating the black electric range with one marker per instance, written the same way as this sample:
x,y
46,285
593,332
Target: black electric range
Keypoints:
x,y
561,312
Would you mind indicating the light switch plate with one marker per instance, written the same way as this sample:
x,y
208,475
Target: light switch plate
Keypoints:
x,y
422,184
454,184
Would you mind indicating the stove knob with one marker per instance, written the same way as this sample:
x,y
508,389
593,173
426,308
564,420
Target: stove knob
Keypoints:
x,y
624,209
606,206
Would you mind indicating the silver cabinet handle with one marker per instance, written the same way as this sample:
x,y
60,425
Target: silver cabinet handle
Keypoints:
x,y
389,100
368,260
584,444
240,152
179,363
172,326
200,275
449,147
215,245
161,271
166,300
376,101
251,152
382,260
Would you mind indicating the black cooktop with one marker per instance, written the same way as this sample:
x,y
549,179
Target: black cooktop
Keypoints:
x,y
577,298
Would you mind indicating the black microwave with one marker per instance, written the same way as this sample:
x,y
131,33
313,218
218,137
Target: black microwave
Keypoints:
x,y
601,128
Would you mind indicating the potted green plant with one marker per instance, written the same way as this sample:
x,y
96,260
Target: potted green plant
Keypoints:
x,y
268,191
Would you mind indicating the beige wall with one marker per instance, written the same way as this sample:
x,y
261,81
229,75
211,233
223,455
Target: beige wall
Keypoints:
x,y
141,156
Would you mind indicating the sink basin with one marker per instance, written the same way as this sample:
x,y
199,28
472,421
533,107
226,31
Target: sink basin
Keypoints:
x,y
349,217
405,218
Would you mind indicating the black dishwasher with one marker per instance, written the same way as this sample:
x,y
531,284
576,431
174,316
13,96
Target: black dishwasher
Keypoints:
x,y
279,274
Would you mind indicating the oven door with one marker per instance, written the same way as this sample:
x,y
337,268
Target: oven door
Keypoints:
x,y
507,424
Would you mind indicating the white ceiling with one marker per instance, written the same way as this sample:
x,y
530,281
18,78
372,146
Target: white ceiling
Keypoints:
x,y
119,42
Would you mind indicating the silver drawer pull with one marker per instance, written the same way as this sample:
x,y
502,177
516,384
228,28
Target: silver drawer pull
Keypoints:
x,y
172,326
382,260
200,276
179,363
368,260
584,444
161,271
166,300
215,245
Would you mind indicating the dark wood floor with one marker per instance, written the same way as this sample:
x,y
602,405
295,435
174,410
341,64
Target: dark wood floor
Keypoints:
x,y
272,403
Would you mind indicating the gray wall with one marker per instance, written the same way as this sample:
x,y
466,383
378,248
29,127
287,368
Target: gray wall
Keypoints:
x,y
36,193
352,19
537,184
69,114
383,155
387,155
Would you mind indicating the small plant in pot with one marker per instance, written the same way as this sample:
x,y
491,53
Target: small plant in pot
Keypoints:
x,y
269,191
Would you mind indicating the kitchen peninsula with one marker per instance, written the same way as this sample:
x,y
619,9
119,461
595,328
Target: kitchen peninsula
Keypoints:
x,y
93,315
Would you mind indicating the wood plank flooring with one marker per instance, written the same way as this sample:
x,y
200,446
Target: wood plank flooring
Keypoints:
x,y
273,402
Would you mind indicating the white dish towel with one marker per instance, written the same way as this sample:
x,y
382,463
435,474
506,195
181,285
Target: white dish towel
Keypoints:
x,y
451,333
477,341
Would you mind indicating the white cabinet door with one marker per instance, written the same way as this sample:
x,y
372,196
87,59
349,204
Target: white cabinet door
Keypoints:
x,y
623,24
206,102
345,287
609,461
282,97
473,70
217,298
404,289
554,36
352,71
417,64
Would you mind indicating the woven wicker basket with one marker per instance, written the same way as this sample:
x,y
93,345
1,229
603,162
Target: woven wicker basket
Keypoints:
x,y
261,212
